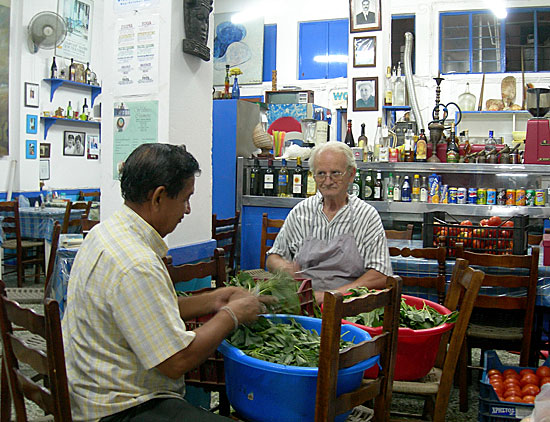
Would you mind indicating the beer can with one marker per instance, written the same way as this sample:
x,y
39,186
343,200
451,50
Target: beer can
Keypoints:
x,y
491,196
461,195
501,196
520,197
530,197
472,195
510,197
539,198
481,196
452,195
444,196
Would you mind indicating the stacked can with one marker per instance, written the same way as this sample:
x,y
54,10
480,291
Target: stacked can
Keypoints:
x,y
520,197
530,197
501,196
510,197
444,196
481,196
472,195
539,198
461,196
491,196
452,195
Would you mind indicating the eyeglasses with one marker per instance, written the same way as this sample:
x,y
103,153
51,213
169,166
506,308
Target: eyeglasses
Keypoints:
x,y
336,176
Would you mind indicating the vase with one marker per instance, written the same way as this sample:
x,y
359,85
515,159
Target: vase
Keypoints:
x,y
236,91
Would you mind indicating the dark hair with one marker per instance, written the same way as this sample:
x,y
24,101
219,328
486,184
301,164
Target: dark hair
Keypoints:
x,y
152,165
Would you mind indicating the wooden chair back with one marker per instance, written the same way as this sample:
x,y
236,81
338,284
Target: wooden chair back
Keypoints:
x,y
331,359
401,234
53,399
429,282
224,231
87,224
51,260
214,267
75,222
270,230
90,196
534,239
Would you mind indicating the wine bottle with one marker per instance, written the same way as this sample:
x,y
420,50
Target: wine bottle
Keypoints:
x,y
269,179
388,101
72,71
362,140
421,147
297,179
53,69
282,181
311,186
349,136
69,113
255,179
85,111
88,73
368,187
226,83
452,147
377,194
355,186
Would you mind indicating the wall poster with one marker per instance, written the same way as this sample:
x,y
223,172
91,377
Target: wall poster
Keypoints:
x,y
4,77
135,123
78,15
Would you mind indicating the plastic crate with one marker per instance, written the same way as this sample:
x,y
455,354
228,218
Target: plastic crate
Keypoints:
x,y
441,228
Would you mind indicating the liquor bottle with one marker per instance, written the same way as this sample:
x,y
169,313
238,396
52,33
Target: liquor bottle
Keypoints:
x,y
298,190
368,187
256,179
397,189
282,181
389,190
349,136
53,69
421,147
388,94
355,187
69,113
424,190
378,140
87,73
490,143
409,140
415,196
226,83
406,193
399,88
72,71
269,179
311,186
384,154
362,140
452,147
377,196
85,110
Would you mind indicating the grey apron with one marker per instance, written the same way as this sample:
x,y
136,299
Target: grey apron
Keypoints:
x,y
331,263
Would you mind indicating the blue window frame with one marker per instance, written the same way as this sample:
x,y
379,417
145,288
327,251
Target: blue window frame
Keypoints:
x,y
478,42
323,49
270,51
401,24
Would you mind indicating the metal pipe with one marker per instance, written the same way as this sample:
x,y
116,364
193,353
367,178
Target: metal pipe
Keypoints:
x,y
410,83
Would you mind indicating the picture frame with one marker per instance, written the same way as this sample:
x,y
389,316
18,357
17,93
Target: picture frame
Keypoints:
x,y
32,123
365,94
45,150
364,51
365,15
32,95
93,143
44,170
74,143
30,149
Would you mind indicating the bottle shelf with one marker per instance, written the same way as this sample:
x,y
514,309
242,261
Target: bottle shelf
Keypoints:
x,y
56,83
49,121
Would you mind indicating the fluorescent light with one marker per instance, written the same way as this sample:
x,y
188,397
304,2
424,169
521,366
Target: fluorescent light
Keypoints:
x,y
498,7
511,175
331,58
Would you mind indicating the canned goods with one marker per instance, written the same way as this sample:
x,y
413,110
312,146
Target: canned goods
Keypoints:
x,y
539,198
444,196
481,196
530,197
501,196
452,195
520,197
510,197
491,196
472,195
461,195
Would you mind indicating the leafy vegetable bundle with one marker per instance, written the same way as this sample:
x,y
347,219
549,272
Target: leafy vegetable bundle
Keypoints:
x,y
286,344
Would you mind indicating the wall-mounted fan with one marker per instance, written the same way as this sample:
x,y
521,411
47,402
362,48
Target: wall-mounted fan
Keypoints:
x,y
46,30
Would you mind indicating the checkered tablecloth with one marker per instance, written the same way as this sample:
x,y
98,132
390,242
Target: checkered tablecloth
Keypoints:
x,y
38,223
60,280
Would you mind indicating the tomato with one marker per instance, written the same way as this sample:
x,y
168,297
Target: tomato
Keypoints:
x,y
516,399
511,392
529,399
508,223
530,390
484,222
466,223
542,371
526,371
510,371
493,371
544,380
529,379
495,221
499,388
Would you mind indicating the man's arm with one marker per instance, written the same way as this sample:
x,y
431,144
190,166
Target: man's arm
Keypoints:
x,y
276,263
372,279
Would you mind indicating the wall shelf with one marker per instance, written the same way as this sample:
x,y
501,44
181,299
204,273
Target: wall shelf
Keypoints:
x,y
56,83
49,121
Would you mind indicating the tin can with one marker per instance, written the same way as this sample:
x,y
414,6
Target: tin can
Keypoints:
x,y
510,197
520,197
472,195
501,196
539,198
491,196
461,195
444,196
530,197
452,195
481,196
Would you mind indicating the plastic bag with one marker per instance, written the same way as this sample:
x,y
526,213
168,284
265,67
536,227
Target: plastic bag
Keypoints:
x,y
541,413
24,202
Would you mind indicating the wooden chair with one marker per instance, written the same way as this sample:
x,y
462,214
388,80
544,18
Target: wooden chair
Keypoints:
x,y
501,322
87,224
438,282
27,252
270,230
534,239
75,222
210,374
331,359
51,261
435,387
89,196
401,234
53,399
224,231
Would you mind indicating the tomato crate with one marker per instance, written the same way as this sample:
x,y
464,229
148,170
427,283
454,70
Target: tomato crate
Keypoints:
x,y
507,236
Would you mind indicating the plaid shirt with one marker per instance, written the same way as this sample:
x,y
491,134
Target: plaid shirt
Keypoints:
x,y
122,319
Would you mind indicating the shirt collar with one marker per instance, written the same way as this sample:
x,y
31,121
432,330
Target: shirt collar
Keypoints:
x,y
145,231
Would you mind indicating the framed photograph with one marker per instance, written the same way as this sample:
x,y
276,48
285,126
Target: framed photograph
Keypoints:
x,y
93,143
30,149
32,123
45,150
73,143
44,170
364,51
31,95
365,94
364,15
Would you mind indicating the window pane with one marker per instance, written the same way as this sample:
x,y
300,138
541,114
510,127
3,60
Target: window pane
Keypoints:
x,y
543,33
520,34
485,43
399,27
455,44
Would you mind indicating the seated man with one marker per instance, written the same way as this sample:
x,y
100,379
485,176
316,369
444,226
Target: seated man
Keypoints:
x,y
126,344
334,238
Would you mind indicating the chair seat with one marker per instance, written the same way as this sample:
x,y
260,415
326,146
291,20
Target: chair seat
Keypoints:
x,y
12,244
259,273
427,385
26,294
494,332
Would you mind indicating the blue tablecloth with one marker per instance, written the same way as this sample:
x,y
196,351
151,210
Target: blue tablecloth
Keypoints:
x,y
60,278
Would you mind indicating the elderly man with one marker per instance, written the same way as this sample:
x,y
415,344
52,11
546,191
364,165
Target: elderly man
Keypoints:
x,y
334,238
366,16
126,344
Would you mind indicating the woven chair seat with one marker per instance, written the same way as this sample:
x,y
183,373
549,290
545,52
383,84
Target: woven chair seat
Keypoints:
x,y
493,332
12,244
428,385
259,273
26,294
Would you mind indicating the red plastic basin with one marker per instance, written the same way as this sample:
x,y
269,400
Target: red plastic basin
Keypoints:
x,y
416,349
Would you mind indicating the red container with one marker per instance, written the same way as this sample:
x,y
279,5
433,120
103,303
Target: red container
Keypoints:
x,y
416,349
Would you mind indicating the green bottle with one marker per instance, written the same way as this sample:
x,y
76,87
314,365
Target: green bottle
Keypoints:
x,y
356,187
283,185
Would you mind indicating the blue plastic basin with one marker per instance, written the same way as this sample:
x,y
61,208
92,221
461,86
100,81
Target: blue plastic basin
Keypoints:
x,y
269,392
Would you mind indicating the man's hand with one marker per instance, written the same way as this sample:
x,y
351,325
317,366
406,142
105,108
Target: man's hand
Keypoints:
x,y
319,296
225,295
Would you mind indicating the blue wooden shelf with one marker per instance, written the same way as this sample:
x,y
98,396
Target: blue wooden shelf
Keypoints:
x,y
49,121
56,83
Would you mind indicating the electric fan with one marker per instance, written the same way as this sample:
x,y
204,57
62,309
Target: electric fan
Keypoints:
x,y
46,30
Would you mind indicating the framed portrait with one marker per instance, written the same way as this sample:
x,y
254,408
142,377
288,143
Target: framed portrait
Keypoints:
x,y
30,149
31,95
365,15
93,142
45,150
32,123
365,94
74,143
364,51
44,170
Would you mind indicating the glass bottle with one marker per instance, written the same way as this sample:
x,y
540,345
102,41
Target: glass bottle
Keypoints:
x,y
226,94
362,140
389,190
269,179
424,190
399,88
452,147
378,140
87,73
53,69
311,186
490,143
467,100
72,71
256,179
377,196
406,192
236,91
349,136
69,113
297,180
421,147
368,187
85,110
282,181
389,89
384,154
397,189
355,187
415,196
409,140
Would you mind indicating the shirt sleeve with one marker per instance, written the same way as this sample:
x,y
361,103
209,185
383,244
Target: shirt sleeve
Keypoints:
x,y
372,242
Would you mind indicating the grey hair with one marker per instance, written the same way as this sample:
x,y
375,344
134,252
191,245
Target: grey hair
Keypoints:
x,y
334,146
